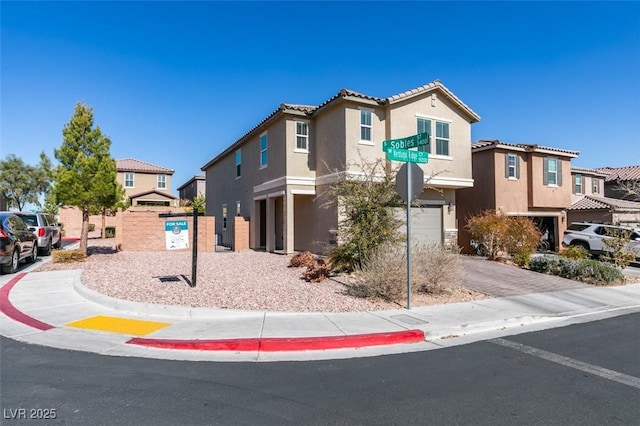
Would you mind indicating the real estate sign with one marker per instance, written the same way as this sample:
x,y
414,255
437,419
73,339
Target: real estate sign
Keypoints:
x,y
176,234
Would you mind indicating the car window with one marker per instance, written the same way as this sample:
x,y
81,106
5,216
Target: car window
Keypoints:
x,y
46,220
29,219
600,230
577,227
635,236
17,224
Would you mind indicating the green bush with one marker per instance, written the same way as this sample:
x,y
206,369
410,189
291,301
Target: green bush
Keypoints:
x,y
522,259
598,273
566,268
92,227
574,252
543,264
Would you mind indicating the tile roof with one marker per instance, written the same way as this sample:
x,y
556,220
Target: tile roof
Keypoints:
x,y
133,165
594,172
495,143
589,202
621,173
342,94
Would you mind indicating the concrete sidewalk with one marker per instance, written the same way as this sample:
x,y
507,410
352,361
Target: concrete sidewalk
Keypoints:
x,y
55,309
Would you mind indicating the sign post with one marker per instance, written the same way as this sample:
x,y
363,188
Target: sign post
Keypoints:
x,y
398,150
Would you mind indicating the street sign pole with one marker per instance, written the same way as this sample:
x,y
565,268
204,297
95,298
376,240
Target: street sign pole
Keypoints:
x,y
409,196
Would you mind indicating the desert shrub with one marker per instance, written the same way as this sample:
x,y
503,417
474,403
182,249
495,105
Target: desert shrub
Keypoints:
x,y
92,227
435,269
617,250
67,256
522,259
384,274
566,268
543,264
598,273
302,259
574,252
318,271
504,234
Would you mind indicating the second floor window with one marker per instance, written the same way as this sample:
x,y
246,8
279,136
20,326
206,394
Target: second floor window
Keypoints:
x,y
238,163
224,216
128,180
578,184
552,173
302,135
365,125
162,182
263,150
596,185
442,138
512,166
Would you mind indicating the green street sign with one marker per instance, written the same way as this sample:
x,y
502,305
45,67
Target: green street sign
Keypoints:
x,y
395,154
421,139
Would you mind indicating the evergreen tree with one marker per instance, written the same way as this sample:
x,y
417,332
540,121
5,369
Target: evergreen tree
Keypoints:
x,y
86,174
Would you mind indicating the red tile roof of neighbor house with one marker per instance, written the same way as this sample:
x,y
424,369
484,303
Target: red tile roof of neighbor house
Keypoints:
x,y
621,173
585,170
589,202
133,165
495,143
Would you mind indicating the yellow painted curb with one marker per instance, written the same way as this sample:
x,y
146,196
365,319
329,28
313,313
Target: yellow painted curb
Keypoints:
x,y
118,325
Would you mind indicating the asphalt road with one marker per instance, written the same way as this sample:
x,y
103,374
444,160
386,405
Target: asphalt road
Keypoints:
x,y
586,374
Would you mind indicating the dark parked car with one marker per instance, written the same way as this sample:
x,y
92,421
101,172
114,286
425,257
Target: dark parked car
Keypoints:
x,y
46,228
17,242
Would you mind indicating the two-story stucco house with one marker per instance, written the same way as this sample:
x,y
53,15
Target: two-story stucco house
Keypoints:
x,y
592,203
193,187
519,180
145,184
277,173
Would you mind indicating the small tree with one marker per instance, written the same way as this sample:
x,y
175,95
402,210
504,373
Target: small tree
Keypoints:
x,y
515,235
364,201
21,184
81,178
617,250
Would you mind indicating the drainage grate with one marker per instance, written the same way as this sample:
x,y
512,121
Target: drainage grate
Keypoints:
x,y
408,319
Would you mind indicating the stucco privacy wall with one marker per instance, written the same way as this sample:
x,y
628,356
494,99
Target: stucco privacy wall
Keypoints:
x,y
145,230
71,219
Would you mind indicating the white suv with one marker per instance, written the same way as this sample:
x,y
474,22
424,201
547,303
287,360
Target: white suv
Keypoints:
x,y
591,236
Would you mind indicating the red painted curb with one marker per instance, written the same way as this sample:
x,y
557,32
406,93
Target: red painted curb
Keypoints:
x,y
286,344
12,312
68,239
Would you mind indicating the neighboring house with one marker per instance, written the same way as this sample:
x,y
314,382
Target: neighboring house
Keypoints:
x,y
145,184
586,182
193,187
589,203
518,180
277,174
616,176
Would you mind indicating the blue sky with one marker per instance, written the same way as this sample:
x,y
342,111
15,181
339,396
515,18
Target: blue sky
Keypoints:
x,y
174,83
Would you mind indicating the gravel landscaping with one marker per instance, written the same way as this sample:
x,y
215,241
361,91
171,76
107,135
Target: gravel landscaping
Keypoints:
x,y
249,280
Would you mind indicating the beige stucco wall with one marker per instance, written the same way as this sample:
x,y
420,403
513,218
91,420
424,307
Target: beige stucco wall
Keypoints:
x,y
511,195
547,196
587,186
403,122
143,182
328,152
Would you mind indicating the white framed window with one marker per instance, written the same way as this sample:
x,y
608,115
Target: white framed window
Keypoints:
x,y
264,154
238,163
578,184
512,166
224,216
162,182
365,125
596,185
552,173
302,136
442,138
128,180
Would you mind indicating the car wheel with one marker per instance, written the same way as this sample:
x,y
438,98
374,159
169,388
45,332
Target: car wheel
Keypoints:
x,y
34,254
58,244
13,266
580,244
46,250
